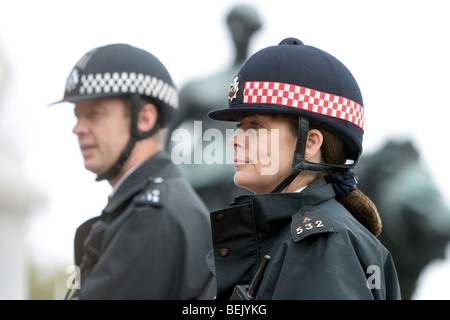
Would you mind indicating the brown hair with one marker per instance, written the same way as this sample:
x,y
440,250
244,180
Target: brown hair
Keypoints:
x,y
356,202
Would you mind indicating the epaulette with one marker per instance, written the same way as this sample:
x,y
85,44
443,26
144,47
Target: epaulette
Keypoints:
x,y
309,221
153,194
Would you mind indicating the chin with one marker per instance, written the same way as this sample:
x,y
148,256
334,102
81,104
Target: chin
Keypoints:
x,y
239,181
93,168
250,184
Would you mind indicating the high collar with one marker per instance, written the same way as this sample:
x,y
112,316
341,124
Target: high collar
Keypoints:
x,y
253,224
268,205
159,165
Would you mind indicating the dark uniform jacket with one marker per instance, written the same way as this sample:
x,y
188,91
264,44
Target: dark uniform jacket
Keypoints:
x,y
150,242
317,248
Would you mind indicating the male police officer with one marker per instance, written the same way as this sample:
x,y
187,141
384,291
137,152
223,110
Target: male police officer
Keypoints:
x,y
151,240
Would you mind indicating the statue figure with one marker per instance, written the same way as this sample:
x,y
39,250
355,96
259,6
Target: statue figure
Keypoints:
x,y
214,181
416,226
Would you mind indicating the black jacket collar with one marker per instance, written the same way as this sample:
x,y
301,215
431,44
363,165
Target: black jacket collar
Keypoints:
x,y
159,165
268,205
253,224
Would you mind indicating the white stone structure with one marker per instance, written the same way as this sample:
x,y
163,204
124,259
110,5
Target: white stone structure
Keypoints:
x,y
17,199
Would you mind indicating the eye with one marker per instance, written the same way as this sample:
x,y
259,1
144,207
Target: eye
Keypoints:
x,y
249,124
255,125
95,113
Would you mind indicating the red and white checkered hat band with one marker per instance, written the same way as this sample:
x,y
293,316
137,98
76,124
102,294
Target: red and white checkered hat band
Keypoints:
x,y
304,98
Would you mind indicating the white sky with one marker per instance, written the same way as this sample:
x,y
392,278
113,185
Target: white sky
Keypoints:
x,y
397,50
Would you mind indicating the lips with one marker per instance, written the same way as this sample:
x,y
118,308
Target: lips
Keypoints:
x,y
87,149
238,162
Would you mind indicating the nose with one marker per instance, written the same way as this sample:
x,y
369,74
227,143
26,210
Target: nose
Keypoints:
x,y
234,140
79,128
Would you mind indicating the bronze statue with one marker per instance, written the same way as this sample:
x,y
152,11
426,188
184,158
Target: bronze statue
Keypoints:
x,y
416,226
214,181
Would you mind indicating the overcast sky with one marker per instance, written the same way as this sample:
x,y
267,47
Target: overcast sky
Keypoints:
x,y
397,50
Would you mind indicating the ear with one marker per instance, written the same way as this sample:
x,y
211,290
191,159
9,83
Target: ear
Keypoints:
x,y
147,117
313,143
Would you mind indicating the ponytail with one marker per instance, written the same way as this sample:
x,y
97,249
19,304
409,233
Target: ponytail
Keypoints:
x,y
353,199
363,209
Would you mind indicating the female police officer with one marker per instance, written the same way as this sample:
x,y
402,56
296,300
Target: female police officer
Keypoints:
x,y
305,110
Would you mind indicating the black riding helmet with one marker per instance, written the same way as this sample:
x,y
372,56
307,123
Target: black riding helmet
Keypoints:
x,y
294,79
122,70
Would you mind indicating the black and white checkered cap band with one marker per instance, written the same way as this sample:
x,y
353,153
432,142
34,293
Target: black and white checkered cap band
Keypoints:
x,y
132,82
304,98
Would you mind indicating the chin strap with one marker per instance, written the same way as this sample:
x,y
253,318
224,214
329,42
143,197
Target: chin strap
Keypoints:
x,y
299,155
116,167
299,163
135,136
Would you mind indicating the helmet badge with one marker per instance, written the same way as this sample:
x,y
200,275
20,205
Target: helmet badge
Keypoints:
x,y
72,80
234,88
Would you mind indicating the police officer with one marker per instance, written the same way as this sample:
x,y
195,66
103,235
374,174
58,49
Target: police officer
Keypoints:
x,y
301,121
152,238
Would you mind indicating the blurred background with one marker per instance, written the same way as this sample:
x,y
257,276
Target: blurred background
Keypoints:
x,y
397,50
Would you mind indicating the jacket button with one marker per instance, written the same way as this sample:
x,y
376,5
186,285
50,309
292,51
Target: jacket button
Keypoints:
x,y
219,217
223,252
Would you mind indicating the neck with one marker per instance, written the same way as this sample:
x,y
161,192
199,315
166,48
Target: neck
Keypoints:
x,y
143,150
302,180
